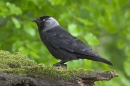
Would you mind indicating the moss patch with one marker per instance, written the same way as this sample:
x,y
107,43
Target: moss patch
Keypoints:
x,y
16,60
19,64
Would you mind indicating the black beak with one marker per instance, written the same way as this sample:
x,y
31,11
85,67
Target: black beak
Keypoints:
x,y
34,20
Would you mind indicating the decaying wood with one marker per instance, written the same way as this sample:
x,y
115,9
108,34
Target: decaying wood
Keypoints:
x,y
81,80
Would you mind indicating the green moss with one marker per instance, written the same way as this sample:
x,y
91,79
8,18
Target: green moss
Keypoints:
x,y
16,60
19,64
55,72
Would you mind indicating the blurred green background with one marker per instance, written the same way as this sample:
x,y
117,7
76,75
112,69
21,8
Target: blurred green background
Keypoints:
x,y
102,24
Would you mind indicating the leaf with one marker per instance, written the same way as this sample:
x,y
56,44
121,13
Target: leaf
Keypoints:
x,y
23,50
91,39
34,54
29,30
16,45
57,2
73,29
16,22
13,8
121,44
127,51
85,21
123,3
126,66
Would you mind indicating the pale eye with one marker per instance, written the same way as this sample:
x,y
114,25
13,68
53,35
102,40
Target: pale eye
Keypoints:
x,y
44,19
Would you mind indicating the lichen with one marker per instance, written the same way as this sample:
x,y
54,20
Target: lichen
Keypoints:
x,y
22,65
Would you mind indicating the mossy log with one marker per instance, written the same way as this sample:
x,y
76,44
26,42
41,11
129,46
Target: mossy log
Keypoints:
x,y
18,70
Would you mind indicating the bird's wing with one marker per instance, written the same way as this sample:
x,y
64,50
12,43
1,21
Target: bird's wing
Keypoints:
x,y
58,37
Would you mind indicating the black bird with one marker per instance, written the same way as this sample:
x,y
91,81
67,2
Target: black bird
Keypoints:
x,y
61,44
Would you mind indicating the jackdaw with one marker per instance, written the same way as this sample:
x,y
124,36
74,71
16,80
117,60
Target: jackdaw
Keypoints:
x,y
61,44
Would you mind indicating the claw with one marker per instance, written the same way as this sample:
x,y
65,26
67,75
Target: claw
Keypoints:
x,y
60,65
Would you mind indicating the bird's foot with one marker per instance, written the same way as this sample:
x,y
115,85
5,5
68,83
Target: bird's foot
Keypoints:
x,y
60,65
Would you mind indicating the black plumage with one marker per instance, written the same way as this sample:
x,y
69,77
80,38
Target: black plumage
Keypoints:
x,y
62,45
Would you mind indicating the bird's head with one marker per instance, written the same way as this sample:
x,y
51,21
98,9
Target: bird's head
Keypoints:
x,y
46,22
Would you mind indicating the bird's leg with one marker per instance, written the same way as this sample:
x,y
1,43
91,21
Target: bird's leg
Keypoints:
x,y
60,64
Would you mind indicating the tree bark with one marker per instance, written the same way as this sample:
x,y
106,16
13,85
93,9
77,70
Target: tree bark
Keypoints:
x,y
81,80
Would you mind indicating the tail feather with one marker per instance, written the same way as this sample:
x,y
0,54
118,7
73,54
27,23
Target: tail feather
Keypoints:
x,y
100,59
105,61
96,57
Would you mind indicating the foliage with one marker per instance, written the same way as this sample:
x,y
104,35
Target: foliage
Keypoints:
x,y
104,25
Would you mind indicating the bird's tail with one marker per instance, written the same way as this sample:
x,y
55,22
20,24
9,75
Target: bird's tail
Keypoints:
x,y
96,57
104,61
100,59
